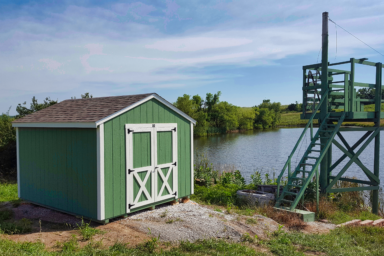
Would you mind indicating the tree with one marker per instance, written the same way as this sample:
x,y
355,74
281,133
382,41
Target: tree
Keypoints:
x,y
224,115
83,96
35,106
187,105
210,101
246,117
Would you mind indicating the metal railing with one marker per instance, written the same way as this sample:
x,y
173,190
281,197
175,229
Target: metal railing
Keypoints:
x,y
288,163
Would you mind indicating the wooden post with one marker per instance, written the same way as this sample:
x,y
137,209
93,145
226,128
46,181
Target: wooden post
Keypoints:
x,y
376,171
324,106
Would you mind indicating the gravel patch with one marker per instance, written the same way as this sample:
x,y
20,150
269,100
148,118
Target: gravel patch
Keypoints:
x,y
190,221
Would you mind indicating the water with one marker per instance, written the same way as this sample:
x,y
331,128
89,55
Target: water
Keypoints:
x,y
267,151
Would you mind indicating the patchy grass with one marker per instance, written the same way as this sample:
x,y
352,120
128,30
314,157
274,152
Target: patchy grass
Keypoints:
x,y
8,192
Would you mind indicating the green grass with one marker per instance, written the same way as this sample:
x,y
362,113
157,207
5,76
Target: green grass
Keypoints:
x,y
151,247
341,241
340,217
293,119
8,192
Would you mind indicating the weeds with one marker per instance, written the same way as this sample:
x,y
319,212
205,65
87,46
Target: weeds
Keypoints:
x,y
88,232
164,214
247,238
170,221
5,215
251,221
149,246
71,246
16,227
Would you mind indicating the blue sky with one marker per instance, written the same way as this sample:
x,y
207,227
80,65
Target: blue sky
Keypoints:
x,y
248,50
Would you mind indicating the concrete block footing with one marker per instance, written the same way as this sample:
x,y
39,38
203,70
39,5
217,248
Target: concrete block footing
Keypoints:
x,y
305,215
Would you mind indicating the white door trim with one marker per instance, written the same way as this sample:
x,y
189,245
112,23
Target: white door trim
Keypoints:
x,y
153,129
129,130
172,127
192,164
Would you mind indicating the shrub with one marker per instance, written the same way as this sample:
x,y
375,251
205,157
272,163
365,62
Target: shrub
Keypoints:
x,y
218,194
232,178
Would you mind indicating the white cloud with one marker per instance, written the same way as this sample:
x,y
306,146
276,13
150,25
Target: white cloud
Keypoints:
x,y
51,64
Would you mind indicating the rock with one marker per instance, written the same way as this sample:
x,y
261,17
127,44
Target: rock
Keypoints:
x,y
366,223
350,223
378,223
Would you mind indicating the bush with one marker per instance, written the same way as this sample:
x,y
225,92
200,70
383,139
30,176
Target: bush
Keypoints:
x,y
232,178
218,194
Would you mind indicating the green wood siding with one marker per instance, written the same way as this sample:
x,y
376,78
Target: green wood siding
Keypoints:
x,y
58,169
114,152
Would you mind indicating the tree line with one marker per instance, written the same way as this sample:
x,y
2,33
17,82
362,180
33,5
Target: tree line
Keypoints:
x,y
215,116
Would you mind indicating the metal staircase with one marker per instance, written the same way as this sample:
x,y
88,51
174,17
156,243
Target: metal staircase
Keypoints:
x,y
302,176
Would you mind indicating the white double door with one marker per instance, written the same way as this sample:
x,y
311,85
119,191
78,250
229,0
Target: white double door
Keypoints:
x,y
151,160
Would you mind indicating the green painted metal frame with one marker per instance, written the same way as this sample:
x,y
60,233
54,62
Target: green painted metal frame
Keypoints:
x,y
352,108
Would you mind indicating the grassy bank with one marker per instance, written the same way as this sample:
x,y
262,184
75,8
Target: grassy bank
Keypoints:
x,y
293,119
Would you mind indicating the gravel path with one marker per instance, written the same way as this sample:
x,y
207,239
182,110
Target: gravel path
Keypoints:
x,y
190,221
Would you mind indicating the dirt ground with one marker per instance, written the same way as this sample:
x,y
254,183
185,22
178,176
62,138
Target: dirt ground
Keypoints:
x,y
188,221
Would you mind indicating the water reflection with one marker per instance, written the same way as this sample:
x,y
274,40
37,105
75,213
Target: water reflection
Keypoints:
x,y
268,151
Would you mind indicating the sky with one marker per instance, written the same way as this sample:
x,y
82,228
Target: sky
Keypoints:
x,y
248,50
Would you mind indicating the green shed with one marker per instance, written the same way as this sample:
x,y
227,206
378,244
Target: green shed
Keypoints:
x,y
101,158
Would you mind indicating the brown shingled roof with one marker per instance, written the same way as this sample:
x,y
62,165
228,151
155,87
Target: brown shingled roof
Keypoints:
x,y
82,110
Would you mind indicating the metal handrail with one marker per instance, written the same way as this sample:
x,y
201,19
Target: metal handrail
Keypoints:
x,y
288,163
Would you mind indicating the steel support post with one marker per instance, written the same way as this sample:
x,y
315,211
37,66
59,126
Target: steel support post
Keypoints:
x,y
324,107
376,171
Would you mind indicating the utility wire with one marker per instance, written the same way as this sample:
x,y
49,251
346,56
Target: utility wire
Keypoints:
x,y
317,61
356,37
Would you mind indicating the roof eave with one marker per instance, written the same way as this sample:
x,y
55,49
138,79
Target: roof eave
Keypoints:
x,y
55,125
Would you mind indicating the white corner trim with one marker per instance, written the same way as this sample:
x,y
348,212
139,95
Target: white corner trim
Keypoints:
x,y
55,125
192,170
105,119
18,161
100,173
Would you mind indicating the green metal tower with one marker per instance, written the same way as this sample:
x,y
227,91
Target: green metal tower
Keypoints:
x,y
329,95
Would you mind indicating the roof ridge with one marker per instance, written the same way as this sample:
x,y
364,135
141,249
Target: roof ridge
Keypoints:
x,y
112,96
